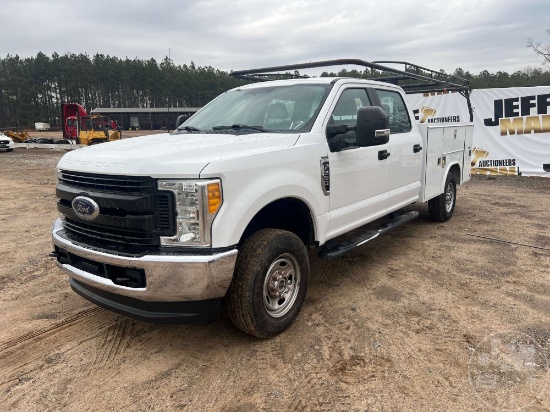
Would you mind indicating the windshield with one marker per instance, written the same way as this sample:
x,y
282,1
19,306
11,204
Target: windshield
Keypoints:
x,y
271,108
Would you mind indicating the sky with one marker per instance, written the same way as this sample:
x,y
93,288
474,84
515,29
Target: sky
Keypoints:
x,y
474,35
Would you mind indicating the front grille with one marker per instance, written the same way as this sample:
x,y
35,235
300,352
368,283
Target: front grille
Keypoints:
x,y
109,234
133,214
108,183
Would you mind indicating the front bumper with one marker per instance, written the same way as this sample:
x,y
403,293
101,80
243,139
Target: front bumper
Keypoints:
x,y
169,278
190,312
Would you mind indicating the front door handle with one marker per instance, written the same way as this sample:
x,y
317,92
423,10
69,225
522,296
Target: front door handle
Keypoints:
x,y
417,148
383,154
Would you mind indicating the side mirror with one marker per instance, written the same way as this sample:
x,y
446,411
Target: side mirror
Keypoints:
x,y
373,126
333,130
181,119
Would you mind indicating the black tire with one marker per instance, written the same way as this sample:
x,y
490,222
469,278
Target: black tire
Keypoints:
x,y
9,150
441,208
277,255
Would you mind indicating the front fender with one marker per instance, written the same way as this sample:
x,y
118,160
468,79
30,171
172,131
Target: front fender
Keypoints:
x,y
252,182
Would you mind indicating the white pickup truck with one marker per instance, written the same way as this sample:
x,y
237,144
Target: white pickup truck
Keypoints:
x,y
164,227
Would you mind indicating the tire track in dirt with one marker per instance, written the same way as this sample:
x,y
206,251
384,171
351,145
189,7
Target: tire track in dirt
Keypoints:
x,y
319,391
337,354
403,353
335,271
115,339
53,328
332,271
389,351
317,394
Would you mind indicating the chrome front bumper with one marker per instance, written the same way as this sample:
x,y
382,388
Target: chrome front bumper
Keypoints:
x,y
169,278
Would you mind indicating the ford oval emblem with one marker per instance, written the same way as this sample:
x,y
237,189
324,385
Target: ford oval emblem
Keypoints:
x,y
85,208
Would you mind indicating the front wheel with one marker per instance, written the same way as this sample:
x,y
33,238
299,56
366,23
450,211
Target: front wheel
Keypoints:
x,y
269,284
441,208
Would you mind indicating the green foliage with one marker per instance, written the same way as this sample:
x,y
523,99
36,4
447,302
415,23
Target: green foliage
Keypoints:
x,y
32,89
484,80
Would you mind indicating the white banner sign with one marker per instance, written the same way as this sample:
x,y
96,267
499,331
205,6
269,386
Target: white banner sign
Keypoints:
x,y
511,126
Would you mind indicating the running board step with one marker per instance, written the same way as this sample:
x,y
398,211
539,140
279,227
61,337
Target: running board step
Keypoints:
x,y
335,251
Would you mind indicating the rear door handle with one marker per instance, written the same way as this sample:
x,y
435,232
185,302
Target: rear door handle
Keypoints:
x,y
383,154
417,148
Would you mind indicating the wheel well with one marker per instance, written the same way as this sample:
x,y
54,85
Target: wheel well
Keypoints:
x,y
455,172
288,214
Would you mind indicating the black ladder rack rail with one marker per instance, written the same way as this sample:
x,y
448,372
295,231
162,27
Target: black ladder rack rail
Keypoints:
x,y
413,79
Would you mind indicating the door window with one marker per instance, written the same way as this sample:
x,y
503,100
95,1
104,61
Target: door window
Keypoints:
x,y
394,106
345,113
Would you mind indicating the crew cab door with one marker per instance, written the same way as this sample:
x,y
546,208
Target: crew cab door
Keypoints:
x,y
359,176
405,148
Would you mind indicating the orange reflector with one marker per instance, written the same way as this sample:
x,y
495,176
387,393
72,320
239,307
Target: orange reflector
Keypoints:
x,y
214,197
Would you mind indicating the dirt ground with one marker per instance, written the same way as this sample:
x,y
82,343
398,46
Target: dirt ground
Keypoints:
x,y
425,318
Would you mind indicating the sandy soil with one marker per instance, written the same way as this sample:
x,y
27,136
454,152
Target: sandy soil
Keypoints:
x,y
425,318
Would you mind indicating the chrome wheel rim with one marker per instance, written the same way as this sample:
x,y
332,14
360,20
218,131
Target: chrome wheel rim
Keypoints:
x,y
449,197
281,285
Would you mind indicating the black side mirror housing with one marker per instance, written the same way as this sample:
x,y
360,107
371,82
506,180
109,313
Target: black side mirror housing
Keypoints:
x,y
373,126
181,118
333,130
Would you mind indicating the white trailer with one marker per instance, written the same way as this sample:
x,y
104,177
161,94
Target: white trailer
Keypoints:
x,y
40,126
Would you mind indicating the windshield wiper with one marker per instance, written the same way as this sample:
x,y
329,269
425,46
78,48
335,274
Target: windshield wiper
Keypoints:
x,y
190,129
240,127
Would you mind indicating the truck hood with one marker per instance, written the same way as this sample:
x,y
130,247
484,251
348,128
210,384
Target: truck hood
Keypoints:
x,y
170,155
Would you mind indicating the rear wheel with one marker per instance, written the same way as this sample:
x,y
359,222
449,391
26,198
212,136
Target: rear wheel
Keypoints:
x,y
269,284
441,208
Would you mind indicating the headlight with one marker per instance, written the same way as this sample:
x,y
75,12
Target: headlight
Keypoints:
x,y
197,203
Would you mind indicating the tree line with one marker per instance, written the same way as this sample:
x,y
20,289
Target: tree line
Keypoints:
x,y
484,80
32,89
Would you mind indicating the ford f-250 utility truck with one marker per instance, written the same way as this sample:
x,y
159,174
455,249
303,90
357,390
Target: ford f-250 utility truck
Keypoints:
x,y
163,227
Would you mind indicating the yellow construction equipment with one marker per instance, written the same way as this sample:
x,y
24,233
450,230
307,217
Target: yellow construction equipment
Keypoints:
x,y
87,129
97,129
17,135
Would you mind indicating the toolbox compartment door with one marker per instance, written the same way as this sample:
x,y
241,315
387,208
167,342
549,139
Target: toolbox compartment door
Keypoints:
x,y
433,144
444,145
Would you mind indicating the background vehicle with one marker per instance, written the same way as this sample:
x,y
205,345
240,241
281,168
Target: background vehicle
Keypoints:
x,y
71,113
98,129
16,134
162,228
41,126
87,130
6,143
